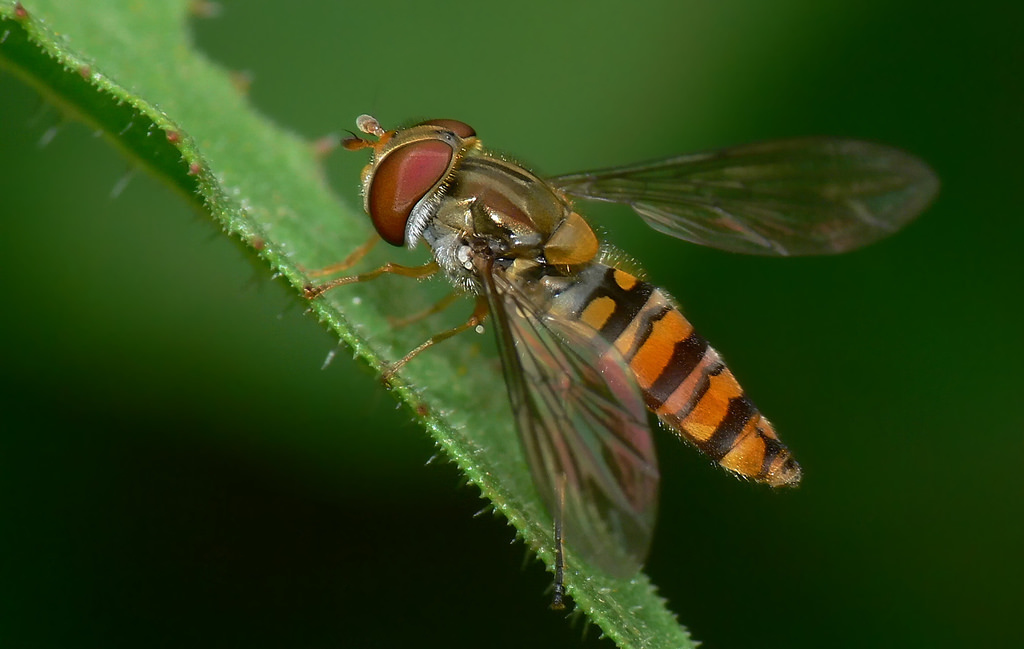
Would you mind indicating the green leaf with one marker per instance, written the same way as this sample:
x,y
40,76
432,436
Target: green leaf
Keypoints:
x,y
129,70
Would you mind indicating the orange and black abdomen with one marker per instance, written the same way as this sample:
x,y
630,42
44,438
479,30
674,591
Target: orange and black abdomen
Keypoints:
x,y
683,379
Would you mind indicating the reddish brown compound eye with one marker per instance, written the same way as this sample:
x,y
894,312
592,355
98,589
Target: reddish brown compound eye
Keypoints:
x,y
400,181
461,129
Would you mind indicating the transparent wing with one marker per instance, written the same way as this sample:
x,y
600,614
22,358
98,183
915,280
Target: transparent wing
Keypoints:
x,y
583,426
811,196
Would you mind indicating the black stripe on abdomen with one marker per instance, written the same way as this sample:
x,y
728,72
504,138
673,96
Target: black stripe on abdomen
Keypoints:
x,y
628,302
686,357
741,409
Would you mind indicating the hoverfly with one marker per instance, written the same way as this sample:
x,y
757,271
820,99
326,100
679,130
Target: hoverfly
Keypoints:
x,y
588,346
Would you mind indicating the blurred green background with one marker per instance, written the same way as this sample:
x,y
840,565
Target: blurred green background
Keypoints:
x,y
177,470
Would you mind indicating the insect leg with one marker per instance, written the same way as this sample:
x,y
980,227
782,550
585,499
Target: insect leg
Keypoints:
x,y
558,599
354,258
443,304
312,291
479,314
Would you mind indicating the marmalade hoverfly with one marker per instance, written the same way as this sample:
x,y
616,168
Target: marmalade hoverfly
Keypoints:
x,y
587,345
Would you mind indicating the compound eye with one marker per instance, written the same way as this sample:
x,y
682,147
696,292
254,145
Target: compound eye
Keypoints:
x,y
461,129
400,181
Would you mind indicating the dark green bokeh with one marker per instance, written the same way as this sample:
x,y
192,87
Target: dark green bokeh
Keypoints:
x,y
150,488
